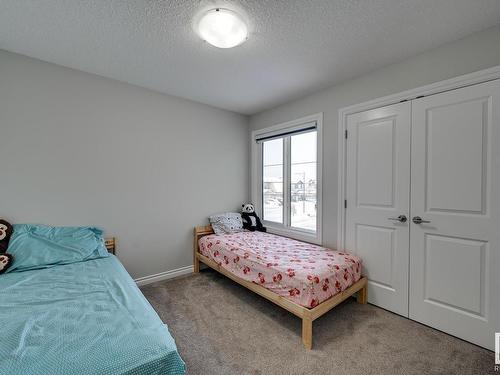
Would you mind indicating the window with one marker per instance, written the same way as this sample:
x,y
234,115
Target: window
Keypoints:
x,y
287,178
272,180
303,181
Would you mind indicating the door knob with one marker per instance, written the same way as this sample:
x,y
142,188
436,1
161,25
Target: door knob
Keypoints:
x,y
400,218
419,220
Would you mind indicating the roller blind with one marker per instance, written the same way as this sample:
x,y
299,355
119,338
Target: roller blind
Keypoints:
x,y
303,128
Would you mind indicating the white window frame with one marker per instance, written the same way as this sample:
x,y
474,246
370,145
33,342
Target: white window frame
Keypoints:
x,y
256,177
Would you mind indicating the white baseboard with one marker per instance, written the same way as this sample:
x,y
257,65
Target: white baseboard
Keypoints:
x,y
164,275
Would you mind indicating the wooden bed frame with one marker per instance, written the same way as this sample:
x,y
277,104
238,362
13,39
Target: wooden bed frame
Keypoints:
x,y
110,244
307,315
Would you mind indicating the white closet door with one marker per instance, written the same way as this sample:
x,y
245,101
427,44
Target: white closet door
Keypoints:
x,y
455,187
377,186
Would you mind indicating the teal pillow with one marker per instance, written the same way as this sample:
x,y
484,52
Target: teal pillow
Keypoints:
x,y
42,246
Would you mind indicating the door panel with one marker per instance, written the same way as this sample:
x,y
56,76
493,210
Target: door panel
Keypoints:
x,y
380,242
461,286
455,181
455,141
377,186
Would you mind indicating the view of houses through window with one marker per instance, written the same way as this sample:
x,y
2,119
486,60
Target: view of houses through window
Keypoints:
x,y
301,206
272,178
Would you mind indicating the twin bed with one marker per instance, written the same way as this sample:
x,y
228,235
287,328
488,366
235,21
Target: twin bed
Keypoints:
x,y
305,279
85,317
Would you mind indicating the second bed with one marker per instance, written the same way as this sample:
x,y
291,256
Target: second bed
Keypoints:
x,y
306,279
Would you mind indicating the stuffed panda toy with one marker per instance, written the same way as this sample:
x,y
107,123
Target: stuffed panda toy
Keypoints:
x,y
5,233
250,219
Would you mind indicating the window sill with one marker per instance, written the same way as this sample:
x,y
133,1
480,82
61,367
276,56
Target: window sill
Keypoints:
x,y
314,238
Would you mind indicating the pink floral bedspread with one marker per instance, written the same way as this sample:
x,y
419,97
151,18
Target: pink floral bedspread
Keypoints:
x,y
303,273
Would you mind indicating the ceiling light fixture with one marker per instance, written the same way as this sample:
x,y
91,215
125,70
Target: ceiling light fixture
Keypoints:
x,y
222,28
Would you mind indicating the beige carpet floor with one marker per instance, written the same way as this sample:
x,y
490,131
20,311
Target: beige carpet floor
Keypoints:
x,y
222,328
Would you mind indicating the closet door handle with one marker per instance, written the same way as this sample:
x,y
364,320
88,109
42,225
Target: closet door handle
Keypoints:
x,y
419,220
400,218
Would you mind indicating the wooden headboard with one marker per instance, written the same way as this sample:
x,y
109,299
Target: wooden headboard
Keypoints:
x,y
110,244
198,233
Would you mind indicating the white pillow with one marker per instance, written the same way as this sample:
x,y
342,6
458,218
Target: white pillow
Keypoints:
x,y
228,222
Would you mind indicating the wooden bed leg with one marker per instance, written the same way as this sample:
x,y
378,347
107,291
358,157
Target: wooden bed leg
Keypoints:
x,y
196,261
307,332
362,295
196,265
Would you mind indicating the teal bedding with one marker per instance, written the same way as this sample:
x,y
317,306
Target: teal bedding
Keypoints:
x,y
82,318
37,246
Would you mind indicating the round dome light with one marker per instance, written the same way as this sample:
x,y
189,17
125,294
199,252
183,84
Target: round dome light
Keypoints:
x,y
222,28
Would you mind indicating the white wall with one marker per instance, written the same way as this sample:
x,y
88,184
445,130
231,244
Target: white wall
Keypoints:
x,y
479,51
78,149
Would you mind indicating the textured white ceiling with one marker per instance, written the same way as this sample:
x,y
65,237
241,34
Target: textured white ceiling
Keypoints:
x,y
295,46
